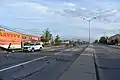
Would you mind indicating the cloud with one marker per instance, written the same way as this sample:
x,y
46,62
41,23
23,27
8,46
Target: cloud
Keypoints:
x,y
99,15
69,4
83,8
26,11
60,16
38,7
32,6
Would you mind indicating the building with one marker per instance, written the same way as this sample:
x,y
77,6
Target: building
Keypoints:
x,y
16,39
30,38
114,39
10,37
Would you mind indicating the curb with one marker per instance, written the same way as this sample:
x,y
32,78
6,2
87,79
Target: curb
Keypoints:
x,y
117,47
96,67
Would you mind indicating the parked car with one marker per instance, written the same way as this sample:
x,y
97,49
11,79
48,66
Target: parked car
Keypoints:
x,y
118,44
32,47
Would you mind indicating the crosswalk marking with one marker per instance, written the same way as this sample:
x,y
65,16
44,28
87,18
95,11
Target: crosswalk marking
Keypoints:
x,y
77,49
69,49
64,52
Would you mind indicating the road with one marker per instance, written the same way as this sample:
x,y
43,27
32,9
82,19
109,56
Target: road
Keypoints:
x,y
108,62
62,63
45,65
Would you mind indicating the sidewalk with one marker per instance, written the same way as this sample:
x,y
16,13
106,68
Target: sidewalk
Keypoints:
x,y
114,46
82,69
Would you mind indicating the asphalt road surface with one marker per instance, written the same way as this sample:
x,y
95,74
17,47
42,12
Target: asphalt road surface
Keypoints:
x,y
45,65
108,62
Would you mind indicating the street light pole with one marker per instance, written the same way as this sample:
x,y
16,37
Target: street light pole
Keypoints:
x,y
92,18
89,21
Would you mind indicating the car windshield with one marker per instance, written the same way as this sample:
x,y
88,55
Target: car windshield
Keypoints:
x,y
37,44
28,44
59,39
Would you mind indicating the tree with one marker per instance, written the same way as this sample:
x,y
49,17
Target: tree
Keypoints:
x,y
96,41
103,40
57,40
47,36
42,38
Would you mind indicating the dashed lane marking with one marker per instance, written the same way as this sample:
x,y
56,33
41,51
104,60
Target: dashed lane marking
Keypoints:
x,y
22,64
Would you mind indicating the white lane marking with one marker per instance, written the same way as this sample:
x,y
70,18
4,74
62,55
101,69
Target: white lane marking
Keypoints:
x,y
91,50
76,49
70,49
22,64
62,52
91,45
52,49
58,53
87,54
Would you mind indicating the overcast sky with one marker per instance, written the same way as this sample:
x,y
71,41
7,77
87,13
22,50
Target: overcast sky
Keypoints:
x,y
63,17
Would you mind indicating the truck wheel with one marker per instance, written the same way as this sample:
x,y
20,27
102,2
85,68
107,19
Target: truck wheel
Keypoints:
x,y
33,50
40,49
12,51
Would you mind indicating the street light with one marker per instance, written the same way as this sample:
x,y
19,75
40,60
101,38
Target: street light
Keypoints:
x,y
89,21
95,17
100,14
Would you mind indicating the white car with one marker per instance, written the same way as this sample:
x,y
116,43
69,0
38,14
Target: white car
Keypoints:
x,y
32,47
118,44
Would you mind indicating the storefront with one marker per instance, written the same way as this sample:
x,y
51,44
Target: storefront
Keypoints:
x,y
30,38
17,40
